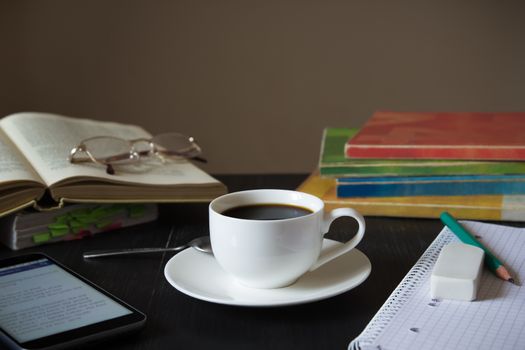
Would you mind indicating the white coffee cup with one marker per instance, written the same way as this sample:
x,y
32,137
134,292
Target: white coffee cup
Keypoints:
x,y
274,253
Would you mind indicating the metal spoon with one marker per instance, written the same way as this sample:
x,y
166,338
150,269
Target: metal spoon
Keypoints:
x,y
202,244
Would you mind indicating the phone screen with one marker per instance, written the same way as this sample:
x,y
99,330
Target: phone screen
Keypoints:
x,y
40,299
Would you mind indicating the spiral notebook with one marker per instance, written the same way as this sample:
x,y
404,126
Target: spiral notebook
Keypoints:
x,y
410,319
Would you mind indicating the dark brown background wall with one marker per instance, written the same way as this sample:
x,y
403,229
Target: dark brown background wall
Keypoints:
x,y
257,81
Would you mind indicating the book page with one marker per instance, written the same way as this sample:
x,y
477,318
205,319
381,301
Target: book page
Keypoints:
x,y
46,140
495,320
13,166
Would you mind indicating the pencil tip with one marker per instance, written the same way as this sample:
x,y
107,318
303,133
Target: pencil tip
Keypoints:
x,y
511,280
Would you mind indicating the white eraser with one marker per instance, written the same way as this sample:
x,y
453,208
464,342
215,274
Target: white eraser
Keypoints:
x,y
457,272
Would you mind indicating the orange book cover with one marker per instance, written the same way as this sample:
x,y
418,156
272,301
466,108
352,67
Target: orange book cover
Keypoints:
x,y
440,135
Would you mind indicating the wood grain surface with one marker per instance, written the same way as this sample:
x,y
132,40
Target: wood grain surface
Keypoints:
x,y
177,321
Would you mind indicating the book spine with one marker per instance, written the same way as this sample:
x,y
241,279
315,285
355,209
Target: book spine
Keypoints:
x,y
466,153
424,168
397,187
428,210
476,207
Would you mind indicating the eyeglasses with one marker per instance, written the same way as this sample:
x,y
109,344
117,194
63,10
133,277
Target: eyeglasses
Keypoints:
x,y
111,150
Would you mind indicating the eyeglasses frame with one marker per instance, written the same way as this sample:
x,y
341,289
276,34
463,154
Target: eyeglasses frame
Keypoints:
x,y
133,155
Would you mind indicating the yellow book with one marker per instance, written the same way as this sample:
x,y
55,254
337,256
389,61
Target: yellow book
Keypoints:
x,y
493,207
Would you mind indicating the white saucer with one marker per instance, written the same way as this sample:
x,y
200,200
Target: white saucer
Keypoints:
x,y
198,275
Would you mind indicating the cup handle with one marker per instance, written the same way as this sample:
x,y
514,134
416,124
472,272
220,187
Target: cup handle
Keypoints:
x,y
329,218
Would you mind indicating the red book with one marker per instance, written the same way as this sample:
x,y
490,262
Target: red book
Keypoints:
x,y
472,136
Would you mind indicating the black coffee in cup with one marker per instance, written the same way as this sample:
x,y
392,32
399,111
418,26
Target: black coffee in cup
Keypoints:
x,y
266,212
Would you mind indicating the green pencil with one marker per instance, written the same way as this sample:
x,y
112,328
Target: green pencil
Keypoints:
x,y
490,260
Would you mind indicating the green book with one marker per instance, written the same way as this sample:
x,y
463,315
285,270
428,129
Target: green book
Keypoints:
x,y
334,163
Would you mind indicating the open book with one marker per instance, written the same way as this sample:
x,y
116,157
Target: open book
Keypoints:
x,y
34,165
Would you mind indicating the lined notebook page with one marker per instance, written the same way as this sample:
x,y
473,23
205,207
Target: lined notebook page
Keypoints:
x,y
410,319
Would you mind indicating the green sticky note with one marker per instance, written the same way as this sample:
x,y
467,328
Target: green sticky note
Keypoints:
x,y
103,223
58,232
81,217
57,226
136,211
75,223
61,220
41,237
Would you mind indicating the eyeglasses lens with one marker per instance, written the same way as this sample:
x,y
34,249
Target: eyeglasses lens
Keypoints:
x,y
108,149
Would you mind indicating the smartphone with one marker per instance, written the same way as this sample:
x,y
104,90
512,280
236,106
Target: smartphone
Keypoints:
x,y
45,305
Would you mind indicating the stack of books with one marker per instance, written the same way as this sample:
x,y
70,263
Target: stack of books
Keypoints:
x,y
409,164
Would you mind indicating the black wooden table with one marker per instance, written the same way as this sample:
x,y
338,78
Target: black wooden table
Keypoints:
x,y
177,321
